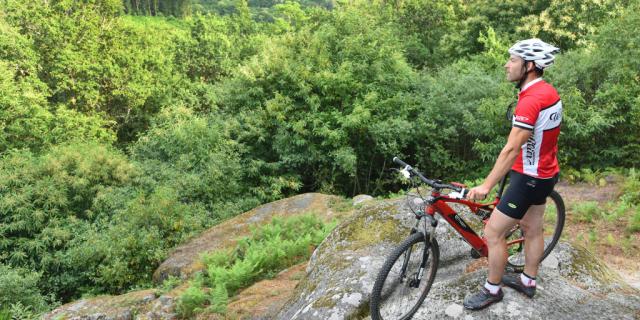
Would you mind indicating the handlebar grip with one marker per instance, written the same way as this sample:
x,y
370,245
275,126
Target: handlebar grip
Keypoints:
x,y
465,192
400,162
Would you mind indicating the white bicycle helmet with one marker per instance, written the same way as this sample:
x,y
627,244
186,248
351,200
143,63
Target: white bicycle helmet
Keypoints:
x,y
535,50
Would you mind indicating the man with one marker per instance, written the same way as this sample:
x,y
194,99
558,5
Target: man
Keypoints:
x,y
530,153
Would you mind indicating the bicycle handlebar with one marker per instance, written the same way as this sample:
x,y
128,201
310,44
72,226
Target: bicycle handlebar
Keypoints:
x,y
433,183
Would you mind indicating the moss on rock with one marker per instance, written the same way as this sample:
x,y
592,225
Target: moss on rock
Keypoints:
x,y
372,225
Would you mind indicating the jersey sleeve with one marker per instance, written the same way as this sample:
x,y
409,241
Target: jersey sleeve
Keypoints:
x,y
526,114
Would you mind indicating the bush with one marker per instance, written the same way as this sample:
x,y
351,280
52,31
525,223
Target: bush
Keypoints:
x,y
631,188
20,287
322,106
26,118
48,200
634,221
119,259
196,156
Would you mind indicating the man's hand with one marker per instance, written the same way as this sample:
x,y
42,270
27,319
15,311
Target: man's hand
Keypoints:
x,y
478,193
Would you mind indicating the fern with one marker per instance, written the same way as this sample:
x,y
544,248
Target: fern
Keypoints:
x,y
270,249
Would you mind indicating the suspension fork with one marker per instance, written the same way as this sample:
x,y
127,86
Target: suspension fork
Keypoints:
x,y
407,255
427,242
415,282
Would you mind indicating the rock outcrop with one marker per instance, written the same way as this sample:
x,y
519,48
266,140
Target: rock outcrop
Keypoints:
x,y
185,259
573,283
336,284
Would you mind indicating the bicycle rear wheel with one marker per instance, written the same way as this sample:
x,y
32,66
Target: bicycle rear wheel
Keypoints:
x,y
398,292
554,216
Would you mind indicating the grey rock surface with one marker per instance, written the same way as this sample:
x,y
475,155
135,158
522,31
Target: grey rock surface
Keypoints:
x,y
361,198
135,305
573,284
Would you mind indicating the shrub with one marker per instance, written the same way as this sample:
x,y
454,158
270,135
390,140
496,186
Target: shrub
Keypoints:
x,y
20,286
196,155
48,200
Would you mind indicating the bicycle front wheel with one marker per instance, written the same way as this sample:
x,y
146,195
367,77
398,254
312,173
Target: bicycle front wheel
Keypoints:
x,y
554,216
405,279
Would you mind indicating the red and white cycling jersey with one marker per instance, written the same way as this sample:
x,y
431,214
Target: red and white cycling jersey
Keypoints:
x,y
539,109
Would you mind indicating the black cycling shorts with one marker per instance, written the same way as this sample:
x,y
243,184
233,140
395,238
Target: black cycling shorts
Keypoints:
x,y
523,192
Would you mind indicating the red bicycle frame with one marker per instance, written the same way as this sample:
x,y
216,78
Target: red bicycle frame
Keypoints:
x,y
439,205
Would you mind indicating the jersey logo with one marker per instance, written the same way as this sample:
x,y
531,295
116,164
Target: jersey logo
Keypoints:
x,y
554,116
511,205
521,118
530,154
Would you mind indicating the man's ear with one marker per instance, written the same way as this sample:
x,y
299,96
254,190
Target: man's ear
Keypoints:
x,y
530,65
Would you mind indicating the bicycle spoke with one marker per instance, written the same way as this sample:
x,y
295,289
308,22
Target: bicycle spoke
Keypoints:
x,y
401,294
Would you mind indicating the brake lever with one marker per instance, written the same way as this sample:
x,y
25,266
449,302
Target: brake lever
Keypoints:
x,y
459,194
406,173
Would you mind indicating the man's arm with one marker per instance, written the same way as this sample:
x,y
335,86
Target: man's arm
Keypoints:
x,y
508,155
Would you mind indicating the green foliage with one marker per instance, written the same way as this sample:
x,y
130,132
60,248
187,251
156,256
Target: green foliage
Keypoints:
x,y
19,287
568,24
196,156
69,214
592,176
634,221
600,85
298,110
218,299
26,120
630,200
46,201
249,101
586,211
191,301
161,222
631,188
169,284
176,8
269,249
95,63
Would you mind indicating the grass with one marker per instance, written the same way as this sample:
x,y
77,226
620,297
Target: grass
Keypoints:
x,y
585,211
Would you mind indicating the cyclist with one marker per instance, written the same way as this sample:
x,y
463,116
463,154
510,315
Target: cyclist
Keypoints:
x,y
530,156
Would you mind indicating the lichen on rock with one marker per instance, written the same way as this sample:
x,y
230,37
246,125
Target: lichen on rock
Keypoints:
x,y
572,283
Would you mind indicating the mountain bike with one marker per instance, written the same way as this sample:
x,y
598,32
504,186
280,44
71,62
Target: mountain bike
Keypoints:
x,y
409,271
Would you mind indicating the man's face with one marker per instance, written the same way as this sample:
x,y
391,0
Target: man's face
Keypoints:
x,y
514,69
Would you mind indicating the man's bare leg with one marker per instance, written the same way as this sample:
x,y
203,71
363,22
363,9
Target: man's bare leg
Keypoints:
x,y
532,225
495,232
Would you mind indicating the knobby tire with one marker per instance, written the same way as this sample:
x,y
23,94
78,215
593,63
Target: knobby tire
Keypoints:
x,y
415,244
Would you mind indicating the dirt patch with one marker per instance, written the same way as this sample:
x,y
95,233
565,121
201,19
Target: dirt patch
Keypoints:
x,y
263,299
480,263
581,192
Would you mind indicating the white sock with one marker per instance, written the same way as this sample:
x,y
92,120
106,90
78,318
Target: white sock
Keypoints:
x,y
527,281
493,288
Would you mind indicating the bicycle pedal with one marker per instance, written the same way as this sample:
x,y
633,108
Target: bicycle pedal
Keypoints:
x,y
475,254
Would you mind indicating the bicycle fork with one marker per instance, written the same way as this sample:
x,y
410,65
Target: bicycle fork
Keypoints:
x,y
414,281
